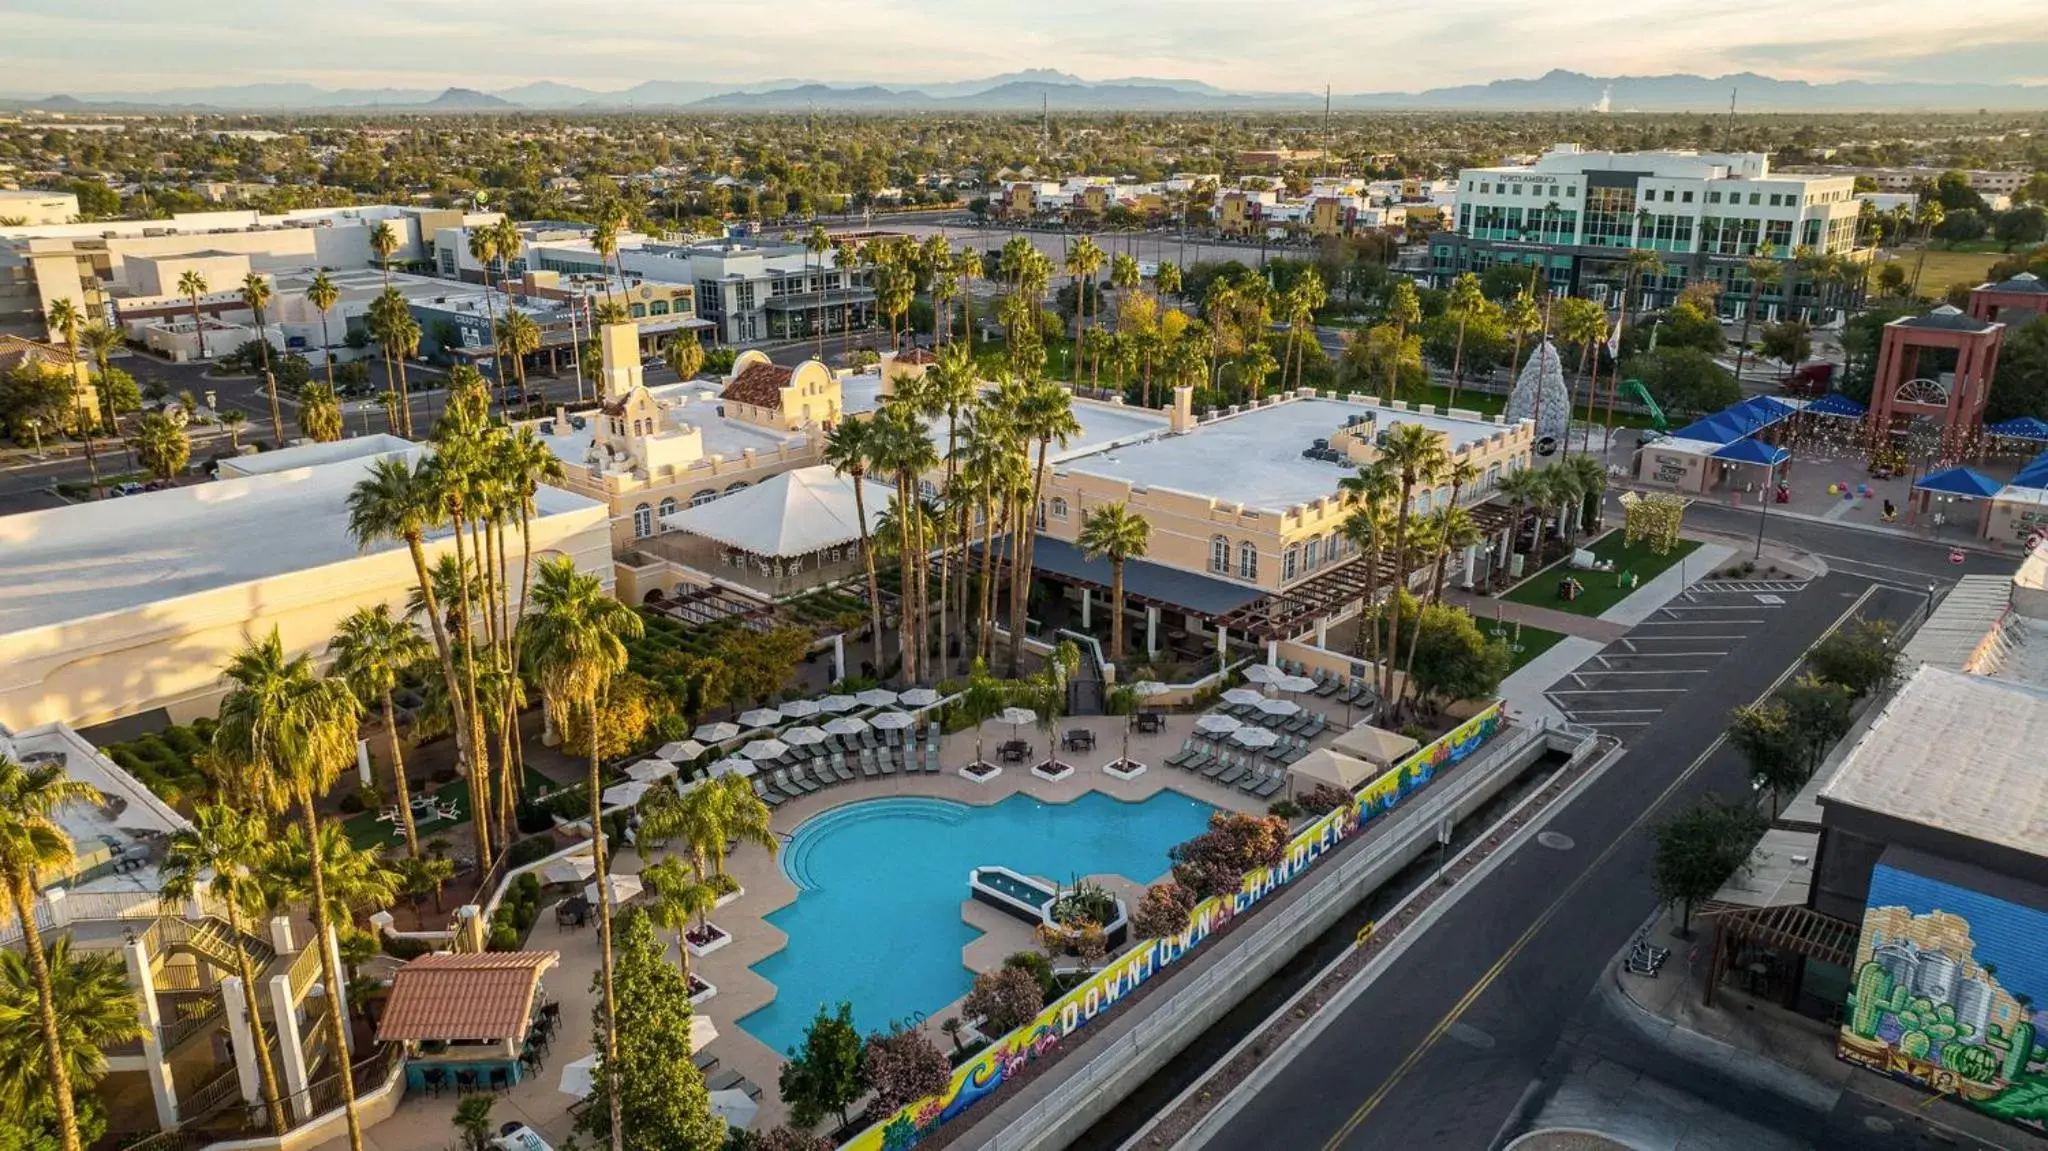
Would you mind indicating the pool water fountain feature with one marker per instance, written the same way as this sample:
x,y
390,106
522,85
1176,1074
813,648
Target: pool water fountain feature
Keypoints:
x,y
1034,901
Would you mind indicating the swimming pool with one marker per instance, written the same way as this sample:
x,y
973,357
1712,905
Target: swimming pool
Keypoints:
x,y
877,920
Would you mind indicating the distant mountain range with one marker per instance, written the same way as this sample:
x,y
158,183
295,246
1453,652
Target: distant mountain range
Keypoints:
x,y
1034,88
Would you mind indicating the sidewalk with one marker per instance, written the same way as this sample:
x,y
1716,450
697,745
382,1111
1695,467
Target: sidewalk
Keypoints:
x,y
1486,608
1667,585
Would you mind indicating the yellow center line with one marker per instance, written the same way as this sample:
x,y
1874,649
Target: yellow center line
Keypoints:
x,y
1515,949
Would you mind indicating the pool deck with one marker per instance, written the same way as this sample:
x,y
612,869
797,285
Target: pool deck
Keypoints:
x,y
424,1122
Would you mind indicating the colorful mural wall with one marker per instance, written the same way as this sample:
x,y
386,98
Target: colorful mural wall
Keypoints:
x,y
1947,994
981,1076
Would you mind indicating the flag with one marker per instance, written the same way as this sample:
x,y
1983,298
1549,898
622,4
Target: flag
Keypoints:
x,y
1614,340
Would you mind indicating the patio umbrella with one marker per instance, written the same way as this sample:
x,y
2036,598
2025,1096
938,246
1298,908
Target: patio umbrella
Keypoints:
x,y
800,708
1254,737
1264,673
1242,697
803,736
918,697
765,749
649,770
760,717
1279,707
891,721
1295,683
733,765
573,869
623,887
681,751
1016,717
576,1076
837,703
625,794
702,1032
735,1107
716,732
846,725
877,697
1216,724
1146,688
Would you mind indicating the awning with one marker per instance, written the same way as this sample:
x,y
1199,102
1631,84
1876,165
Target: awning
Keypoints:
x,y
1333,768
1752,452
792,514
1788,927
2020,428
1836,404
1375,745
1959,482
2034,475
1144,581
457,996
1733,423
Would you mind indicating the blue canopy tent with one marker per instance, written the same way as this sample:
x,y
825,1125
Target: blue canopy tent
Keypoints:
x,y
2020,428
1733,423
1753,452
1837,404
2034,475
1958,482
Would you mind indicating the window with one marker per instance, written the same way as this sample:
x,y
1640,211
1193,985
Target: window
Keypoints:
x,y
1290,558
638,311
738,487
1312,557
668,506
703,497
1059,506
930,491
1334,546
1493,475
1247,560
1667,195
1219,554
1754,197
643,522
1686,198
1713,197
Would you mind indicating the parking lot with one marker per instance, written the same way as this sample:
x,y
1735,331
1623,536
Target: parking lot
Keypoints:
x,y
1633,680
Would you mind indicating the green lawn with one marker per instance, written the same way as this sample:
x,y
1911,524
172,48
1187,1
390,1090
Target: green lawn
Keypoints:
x,y
1533,641
1603,589
366,831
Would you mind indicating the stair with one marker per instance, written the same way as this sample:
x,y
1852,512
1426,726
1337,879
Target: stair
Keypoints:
x,y
213,940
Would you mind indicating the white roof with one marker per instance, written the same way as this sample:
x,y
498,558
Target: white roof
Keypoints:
x,y
1957,752
692,402
310,455
1102,425
792,514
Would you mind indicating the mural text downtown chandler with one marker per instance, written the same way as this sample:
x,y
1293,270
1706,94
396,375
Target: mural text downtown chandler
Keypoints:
x,y
981,1076
1948,981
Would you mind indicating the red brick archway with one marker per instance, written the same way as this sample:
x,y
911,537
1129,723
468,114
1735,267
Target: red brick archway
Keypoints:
x,y
1903,392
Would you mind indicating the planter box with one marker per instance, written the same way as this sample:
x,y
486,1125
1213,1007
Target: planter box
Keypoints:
x,y
717,941
1052,770
700,990
989,772
722,900
1118,769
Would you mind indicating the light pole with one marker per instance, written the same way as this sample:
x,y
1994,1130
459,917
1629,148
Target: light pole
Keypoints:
x,y
1764,511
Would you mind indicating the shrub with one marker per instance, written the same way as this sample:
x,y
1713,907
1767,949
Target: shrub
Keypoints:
x,y
1216,861
1323,797
1005,1000
527,850
1035,965
723,884
1163,911
504,937
1284,808
533,818
403,949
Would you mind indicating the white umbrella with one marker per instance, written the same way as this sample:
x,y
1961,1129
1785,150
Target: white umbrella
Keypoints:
x,y
702,1032
1264,673
1146,688
625,794
733,765
800,708
735,1107
576,1076
918,697
1295,683
682,751
846,725
1279,707
837,703
649,770
1216,724
1241,696
891,720
716,732
573,869
760,717
803,736
1254,737
765,749
1016,716
623,887
877,697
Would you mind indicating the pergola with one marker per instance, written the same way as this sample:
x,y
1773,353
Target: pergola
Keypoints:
x,y
1787,927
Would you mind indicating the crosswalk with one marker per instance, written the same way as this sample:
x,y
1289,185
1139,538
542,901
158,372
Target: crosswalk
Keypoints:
x,y
1778,587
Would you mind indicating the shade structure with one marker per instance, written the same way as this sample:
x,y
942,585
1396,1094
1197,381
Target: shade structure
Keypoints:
x,y
649,770
1016,716
1263,673
891,720
1216,724
576,1076
1279,707
803,736
760,717
1752,452
918,697
702,1032
2020,428
846,725
1836,404
1254,737
1295,683
681,751
733,765
1242,697
762,749
734,1106
792,514
716,732
571,869
1736,421
623,888
799,708
1959,482
877,697
1374,745
837,703
625,794
1328,767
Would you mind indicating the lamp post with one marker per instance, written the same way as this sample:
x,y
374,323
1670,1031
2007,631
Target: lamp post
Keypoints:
x,y
1764,510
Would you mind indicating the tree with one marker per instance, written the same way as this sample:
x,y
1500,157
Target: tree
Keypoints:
x,y
384,245
1819,713
1115,533
849,451
1003,1000
161,445
1163,912
323,295
319,414
1858,656
761,663
1762,269
1215,862
519,336
33,842
646,1094
681,898
256,295
1776,752
233,420
1382,352
683,354
473,1121
2027,225
95,1009
1961,226
825,1075
66,317
1685,381
903,1067
1790,342
96,201
1698,849
371,650
1452,660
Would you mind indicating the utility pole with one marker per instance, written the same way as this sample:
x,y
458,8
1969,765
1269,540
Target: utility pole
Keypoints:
x,y
1326,130
1728,137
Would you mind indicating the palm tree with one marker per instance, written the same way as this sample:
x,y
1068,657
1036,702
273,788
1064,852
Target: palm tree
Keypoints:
x,y
1524,489
967,266
849,451
232,420
1592,483
816,244
32,842
1465,302
1307,297
192,285
384,245
160,443
319,413
1083,260
95,1010
1522,318
604,240
228,849
1045,414
520,337
483,248
684,354
994,471
403,336
371,650
1168,279
1256,365
66,318
1404,310
1762,268
901,448
1416,456
287,735
1118,534
680,899
101,341
1124,276
575,647
1367,528
256,296
323,295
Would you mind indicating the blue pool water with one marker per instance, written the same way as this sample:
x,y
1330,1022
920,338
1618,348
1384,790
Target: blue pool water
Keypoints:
x,y
877,920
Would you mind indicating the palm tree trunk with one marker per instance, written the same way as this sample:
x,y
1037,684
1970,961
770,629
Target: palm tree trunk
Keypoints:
x,y
1458,360
1024,533
1400,585
326,352
479,762
446,652
907,642
1116,610
601,871
400,791
266,1071
867,555
344,1074
24,895
985,594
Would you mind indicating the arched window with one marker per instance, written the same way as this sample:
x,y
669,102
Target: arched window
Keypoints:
x,y
1335,546
1219,554
668,506
1290,558
658,308
1059,508
738,487
1443,496
928,489
638,311
1312,555
704,497
643,522
1423,501
1247,560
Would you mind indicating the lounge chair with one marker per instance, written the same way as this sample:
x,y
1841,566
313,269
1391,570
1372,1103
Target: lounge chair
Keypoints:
x,y
782,784
1215,766
724,1080
839,769
931,759
1272,785
1252,779
1298,724
1186,753
803,782
706,1062
823,776
1230,774
867,766
868,740
1327,687
766,796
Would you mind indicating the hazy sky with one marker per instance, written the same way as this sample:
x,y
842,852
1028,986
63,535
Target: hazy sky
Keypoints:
x,y
51,46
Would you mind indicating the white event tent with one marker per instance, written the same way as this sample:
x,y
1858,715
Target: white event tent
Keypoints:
x,y
788,519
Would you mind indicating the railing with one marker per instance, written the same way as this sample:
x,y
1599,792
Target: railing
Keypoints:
x,y
325,1094
193,1018
212,1097
305,969
179,977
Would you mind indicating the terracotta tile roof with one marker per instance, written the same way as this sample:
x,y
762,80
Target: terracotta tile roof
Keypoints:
x,y
760,385
16,351
464,996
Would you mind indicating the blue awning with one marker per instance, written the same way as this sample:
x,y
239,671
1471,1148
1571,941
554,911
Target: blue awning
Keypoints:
x,y
1837,404
1736,421
2034,475
1959,482
2020,428
1714,429
1752,452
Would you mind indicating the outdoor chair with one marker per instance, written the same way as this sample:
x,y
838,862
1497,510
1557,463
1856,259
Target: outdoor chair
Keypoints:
x,y
1298,724
706,1062
1328,687
1272,785
501,1079
791,786
818,775
465,1082
868,740
867,766
1230,774
433,1081
1186,753
1215,766
839,769
764,795
931,759
723,1081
